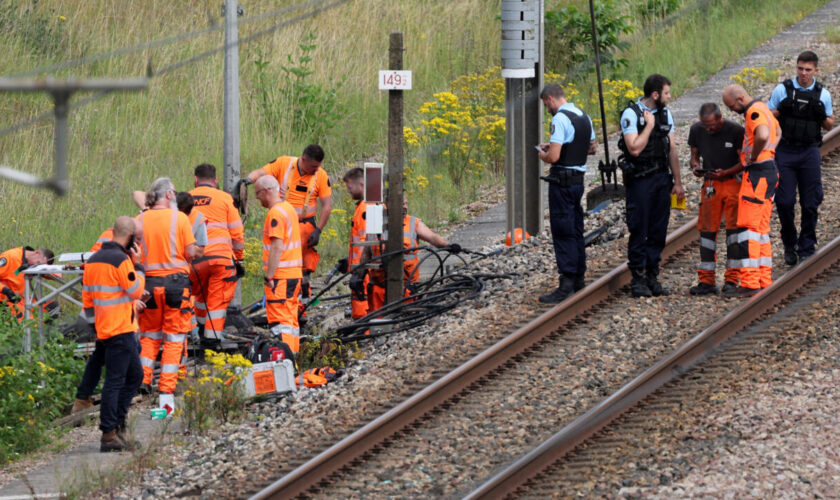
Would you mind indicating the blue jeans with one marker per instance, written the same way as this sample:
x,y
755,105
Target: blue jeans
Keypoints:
x,y
123,375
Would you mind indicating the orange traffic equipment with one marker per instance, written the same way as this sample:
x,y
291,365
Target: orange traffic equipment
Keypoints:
x,y
517,237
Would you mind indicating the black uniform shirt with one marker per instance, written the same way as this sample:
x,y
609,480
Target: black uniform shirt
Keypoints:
x,y
719,150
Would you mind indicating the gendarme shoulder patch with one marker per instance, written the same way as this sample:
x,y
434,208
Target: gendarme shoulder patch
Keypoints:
x,y
625,123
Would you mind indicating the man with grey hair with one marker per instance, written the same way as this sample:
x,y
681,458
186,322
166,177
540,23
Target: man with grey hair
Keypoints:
x,y
718,142
167,246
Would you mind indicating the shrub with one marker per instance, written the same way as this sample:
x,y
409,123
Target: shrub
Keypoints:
x,y
752,79
215,396
35,387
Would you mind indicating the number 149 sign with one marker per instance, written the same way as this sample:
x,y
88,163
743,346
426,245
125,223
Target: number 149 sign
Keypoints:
x,y
394,80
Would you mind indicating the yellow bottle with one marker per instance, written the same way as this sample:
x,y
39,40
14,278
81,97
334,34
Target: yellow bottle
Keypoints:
x,y
678,204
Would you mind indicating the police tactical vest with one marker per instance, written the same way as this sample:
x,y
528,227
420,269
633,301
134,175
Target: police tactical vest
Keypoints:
x,y
801,114
658,146
574,154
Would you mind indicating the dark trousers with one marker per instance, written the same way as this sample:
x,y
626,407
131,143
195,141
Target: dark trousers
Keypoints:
x,y
566,218
799,167
648,211
123,374
93,370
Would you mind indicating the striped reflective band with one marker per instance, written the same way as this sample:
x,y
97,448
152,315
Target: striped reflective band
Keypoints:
x,y
151,335
169,368
101,288
707,243
174,337
706,266
111,302
147,362
133,288
217,314
285,329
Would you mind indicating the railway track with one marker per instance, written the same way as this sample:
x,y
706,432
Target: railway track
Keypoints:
x,y
563,329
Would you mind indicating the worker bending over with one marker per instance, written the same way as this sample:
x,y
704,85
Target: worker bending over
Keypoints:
x,y
167,246
758,186
413,230
12,281
282,262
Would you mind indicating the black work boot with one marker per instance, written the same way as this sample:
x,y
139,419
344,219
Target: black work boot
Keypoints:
x,y
580,283
110,442
703,289
790,256
653,283
639,286
566,288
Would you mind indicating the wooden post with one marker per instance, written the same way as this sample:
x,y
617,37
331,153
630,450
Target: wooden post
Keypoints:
x,y
394,243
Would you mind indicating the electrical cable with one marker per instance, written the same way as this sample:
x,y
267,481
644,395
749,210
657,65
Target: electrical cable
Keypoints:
x,y
186,62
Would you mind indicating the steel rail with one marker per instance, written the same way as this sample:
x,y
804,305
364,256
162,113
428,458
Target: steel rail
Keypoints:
x,y
377,431
505,482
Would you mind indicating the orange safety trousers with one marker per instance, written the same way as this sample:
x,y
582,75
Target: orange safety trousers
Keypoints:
x,y
755,206
376,296
213,285
359,304
718,199
281,310
165,320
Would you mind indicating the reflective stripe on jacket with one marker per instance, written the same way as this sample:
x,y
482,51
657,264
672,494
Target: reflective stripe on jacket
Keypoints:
x,y
110,285
166,233
225,233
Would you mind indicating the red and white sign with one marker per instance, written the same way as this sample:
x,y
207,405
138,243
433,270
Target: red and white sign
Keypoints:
x,y
394,80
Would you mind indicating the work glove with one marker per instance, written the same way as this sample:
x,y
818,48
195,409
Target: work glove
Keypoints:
x,y
240,268
314,237
357,283
343,265
11,296
455,248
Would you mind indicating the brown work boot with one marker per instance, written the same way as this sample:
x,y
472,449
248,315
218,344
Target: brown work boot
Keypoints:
x,y
110,442
81,405
124,435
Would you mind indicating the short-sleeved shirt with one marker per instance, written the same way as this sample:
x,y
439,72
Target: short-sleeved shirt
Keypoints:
x,y
758,114
295,187
719,150
563,132
779,94
281,223
629,120
164,236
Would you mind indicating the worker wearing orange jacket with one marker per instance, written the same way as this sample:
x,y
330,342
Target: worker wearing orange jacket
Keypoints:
x,y
304,184
354,179
282,261
110,286
758,186
12,281
215,274
414,230
167,245
107,235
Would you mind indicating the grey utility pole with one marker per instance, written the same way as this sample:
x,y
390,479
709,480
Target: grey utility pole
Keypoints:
x,y
522,69
394,243
60,90
231,145
231,13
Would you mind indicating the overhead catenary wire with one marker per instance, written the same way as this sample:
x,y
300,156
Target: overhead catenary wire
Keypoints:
x,y
321,6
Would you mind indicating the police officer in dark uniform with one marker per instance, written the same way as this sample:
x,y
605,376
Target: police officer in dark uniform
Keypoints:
x,y
572,139
802,106
651,174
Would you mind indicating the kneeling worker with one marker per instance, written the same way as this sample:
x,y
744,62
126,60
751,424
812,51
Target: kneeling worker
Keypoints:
x,y
413,230
282,262
12,280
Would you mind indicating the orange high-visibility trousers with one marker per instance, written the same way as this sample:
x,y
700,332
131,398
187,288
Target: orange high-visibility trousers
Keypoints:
x,y
718,199
755,206
359,304
166,322
213,285
281,310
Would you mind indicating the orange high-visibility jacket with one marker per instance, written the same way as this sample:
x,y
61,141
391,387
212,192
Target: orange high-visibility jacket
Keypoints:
x,y
759,114
357,234
281,223
107,235
12,262
301,191
410,260
165,235
110,285
225,233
